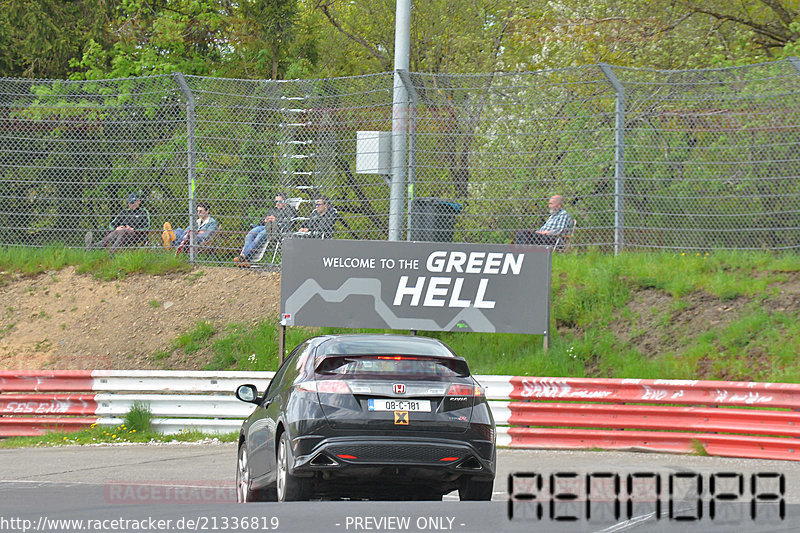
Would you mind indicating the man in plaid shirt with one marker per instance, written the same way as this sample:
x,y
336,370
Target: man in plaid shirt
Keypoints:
x,y
559,223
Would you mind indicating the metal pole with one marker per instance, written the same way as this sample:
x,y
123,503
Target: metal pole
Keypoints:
x,y
412,140
281,344
402,39
191,157
546,339
619,157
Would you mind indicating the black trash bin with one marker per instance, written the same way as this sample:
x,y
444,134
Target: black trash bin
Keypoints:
x,y
432,219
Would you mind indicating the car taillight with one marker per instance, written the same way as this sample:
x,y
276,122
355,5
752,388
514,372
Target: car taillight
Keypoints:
x,y
457,389
333,386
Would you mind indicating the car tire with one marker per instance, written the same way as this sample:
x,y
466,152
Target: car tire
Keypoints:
x,y
290,488
244,492
475,490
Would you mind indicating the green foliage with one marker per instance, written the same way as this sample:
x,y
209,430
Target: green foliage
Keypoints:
x,y
248,347
699,448
284,39
139,418
33,261
111,434
41,37
196,338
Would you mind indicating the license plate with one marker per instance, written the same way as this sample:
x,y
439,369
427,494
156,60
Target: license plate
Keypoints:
x,y
383,404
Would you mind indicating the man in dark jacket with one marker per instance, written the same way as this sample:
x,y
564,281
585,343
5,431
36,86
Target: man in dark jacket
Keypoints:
x,y
278,222
129,228
320,224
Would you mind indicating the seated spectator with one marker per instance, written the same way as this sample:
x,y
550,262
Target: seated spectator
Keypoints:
x,y
206,228
320,224
559,223
278,221
129,228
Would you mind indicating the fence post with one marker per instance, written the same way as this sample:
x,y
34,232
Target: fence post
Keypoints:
x,y
619,156
191,157
412,141
795,63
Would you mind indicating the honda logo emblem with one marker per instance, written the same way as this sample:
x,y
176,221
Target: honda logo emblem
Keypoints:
x,y
399,388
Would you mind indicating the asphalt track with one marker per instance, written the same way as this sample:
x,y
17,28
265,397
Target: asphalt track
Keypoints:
x,y
190,488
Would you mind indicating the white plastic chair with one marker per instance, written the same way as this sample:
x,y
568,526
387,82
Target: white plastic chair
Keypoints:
x,y
565,239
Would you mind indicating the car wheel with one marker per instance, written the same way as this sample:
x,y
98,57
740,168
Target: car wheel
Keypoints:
x,y
290,488
475,490
244,493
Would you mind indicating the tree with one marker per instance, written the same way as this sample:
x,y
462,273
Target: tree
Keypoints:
x,y
773,24
39,37
190,36
270,26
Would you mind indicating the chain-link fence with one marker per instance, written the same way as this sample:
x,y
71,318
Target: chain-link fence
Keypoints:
x,y
686,160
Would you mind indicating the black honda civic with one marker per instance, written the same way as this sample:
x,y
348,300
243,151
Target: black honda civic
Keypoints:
x,y
367,416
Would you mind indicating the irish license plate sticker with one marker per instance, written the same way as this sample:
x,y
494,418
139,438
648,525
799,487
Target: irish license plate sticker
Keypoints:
x,y
386,404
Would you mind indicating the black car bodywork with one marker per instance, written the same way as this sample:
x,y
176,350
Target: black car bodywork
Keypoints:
x,y
367,416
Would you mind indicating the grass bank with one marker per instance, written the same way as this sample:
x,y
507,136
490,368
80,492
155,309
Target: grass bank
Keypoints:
x,y
722,315
99,263
717,315
109,435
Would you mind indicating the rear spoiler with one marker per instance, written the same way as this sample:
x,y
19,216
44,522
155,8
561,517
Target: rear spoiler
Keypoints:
x,y
328,363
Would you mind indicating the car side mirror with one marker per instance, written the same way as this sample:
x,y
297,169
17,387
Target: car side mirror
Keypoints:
x,y
247,393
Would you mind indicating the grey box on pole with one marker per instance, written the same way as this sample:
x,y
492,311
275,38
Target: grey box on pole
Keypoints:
x,y
373,152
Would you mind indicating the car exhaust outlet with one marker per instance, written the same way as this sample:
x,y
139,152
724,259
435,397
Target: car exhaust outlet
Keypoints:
x,y
470,464
323,460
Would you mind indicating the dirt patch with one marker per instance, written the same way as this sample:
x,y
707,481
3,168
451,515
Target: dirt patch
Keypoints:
x,y
64,320
654,322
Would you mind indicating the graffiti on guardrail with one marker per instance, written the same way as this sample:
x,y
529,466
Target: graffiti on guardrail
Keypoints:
x,y
750,398
558,389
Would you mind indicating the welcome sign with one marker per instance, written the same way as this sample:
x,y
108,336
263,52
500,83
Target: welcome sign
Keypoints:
x,y
416,285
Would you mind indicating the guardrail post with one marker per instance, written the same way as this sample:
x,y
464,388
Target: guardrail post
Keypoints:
x,y
619,155
191,158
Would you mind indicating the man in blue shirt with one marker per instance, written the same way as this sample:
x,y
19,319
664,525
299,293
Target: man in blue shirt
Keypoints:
x,y
279,221
559,223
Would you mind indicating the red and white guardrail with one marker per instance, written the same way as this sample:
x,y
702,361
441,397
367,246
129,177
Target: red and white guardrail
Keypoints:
x,y
34,402
726,418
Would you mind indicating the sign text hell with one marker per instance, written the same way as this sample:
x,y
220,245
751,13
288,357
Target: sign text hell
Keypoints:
x,y
439,291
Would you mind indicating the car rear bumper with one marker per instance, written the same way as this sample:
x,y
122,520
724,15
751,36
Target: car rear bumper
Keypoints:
x,y
430,458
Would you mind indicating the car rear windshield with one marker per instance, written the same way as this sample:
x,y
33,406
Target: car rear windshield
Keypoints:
x,y
365,366
386,345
